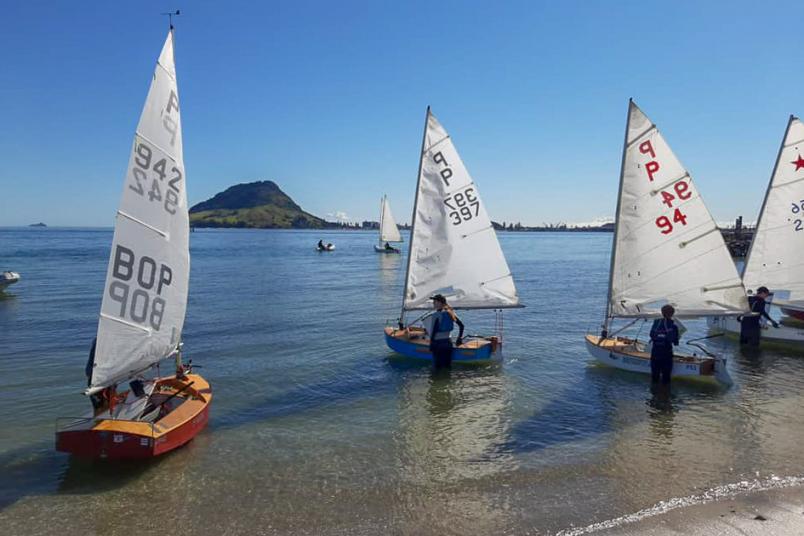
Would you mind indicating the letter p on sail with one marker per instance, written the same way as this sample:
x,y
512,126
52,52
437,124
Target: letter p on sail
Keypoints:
x,y
646,147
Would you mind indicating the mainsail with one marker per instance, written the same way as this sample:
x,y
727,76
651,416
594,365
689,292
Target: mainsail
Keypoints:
x,y
776,257
667,248
145,294
453,248
389,232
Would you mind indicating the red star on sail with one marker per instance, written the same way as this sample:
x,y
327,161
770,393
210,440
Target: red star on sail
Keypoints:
x,y
798,163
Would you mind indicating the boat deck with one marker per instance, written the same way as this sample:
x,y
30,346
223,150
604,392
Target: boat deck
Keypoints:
x,y
632,348
416,335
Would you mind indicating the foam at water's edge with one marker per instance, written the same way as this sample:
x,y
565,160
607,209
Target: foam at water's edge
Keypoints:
x,y
715,494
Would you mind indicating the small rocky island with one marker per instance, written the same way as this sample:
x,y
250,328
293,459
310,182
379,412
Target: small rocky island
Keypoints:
x,y
40,224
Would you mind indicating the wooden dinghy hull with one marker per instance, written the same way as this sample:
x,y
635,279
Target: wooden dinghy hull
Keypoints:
x,y
108,438
413,343
378,249
789,331
625,354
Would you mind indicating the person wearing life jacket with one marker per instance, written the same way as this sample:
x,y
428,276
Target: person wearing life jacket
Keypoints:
x,y
442,322
663,335
750,329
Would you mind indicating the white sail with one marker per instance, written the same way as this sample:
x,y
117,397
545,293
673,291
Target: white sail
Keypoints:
x,y
667,247
389,232
454,249
776,258
145,294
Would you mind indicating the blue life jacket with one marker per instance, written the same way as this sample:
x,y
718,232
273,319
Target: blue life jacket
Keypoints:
x,y
445,325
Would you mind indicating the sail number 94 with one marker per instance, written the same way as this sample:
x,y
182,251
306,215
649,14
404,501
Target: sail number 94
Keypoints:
x,y
143,156
461,205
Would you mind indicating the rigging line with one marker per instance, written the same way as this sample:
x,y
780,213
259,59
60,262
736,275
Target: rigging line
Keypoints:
x,y
159,147
430,148
125,322
683,244
151,227
637,138
670,183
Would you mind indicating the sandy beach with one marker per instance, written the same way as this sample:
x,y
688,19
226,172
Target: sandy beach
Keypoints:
x,y
774,512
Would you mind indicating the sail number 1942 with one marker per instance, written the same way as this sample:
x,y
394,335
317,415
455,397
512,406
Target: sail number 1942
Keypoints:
x,y
147,275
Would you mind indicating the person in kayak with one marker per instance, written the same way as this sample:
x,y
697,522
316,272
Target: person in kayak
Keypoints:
x,y
663,336
442,322
750,329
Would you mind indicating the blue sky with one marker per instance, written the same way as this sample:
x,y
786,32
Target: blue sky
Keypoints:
x,y
328,99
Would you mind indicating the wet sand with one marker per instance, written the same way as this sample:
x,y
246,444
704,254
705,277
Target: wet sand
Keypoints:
x,y
775,512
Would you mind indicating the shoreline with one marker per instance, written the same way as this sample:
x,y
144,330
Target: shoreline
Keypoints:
x,y
774,506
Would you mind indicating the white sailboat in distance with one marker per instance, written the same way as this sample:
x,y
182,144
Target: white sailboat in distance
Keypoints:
x,y
453,251
776,257
145,300
667,249
389,232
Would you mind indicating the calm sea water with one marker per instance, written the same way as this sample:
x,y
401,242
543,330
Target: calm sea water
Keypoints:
x,y
316,428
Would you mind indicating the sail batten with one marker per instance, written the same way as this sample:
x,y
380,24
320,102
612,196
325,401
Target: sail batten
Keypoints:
x,y
776,256
667,248
451,252
145,294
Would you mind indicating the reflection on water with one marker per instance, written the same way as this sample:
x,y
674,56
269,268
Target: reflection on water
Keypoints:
x,y
316,428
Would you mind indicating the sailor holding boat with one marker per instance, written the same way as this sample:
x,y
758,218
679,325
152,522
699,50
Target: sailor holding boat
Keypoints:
x,y
750,324
439,327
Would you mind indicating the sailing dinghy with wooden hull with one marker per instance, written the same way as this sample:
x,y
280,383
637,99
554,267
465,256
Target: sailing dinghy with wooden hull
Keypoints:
x,y
389,232
144,301
453,251
776,257
666,250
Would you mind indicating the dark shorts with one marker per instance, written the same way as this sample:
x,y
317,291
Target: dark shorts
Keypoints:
x,y
661,365
442,353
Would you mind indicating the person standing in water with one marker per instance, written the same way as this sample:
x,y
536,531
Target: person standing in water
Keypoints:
x,y
750,329
663,336
442,322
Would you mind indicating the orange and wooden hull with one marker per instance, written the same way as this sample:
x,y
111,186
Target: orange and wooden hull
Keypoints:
x,y
100,436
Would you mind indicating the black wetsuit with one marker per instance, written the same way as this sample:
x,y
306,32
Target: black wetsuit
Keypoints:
x,y
664,335
750,329
441,347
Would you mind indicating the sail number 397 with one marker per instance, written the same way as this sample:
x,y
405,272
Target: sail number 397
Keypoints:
x,y
463,205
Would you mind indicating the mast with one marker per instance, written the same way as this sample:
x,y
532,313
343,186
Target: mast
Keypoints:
x,y
617,217
767,193
382,218
413,218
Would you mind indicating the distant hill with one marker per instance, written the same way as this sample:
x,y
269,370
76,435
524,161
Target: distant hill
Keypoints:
x,y
260,204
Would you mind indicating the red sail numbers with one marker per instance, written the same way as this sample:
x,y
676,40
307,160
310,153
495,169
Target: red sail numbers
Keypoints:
x,y
678,191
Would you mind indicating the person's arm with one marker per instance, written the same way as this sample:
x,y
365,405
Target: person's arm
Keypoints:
x,y
675,335
460,331
435,330
653,329
765,314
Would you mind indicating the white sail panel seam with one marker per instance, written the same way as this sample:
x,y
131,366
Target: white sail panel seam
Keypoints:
x,y
151,227
643,134
786,183
167,71
721,287
509,274
173,158
430,148
670,183
478,231
684,243
125,322
792,143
